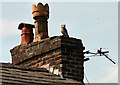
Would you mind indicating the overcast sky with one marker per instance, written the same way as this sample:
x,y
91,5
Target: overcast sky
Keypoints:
x,y
95,23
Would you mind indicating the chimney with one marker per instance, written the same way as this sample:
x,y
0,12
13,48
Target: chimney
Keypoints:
x,y
60,55
27,33
40,15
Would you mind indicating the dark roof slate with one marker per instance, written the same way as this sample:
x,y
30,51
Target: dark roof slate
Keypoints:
x,y
13,74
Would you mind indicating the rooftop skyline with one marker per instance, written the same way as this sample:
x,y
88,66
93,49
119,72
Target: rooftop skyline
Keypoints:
x,y
95,23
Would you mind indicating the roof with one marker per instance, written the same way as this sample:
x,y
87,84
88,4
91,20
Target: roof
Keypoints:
x,y
14,74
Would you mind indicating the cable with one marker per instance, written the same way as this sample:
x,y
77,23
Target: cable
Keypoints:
x,y
86,79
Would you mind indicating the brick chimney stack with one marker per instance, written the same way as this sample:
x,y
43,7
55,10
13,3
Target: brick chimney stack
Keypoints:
x,y
60,55
40,15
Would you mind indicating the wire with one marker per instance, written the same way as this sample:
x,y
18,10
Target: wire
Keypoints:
x,y
86,79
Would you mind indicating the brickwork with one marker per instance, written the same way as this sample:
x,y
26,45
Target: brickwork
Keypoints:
x,y
60,55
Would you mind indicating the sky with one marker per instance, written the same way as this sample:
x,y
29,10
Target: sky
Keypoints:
x,y
94,22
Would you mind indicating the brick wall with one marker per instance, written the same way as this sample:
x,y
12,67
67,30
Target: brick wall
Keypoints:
x,y
60,55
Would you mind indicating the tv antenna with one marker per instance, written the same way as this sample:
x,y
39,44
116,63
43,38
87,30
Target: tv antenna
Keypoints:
x,y
99,53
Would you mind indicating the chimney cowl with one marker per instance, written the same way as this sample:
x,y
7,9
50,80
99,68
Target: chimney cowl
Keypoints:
x,y
21,25
40,10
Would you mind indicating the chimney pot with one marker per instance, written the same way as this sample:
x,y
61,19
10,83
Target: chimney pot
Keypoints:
x,y
27,33
40,15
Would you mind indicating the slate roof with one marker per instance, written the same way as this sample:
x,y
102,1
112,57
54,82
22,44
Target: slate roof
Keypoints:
x,y
14,74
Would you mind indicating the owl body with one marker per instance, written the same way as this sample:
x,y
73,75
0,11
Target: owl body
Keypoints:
x,y
64,31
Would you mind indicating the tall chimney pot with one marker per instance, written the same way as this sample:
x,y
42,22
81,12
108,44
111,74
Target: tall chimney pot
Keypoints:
x,y
40,15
